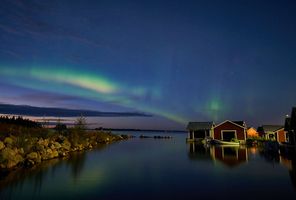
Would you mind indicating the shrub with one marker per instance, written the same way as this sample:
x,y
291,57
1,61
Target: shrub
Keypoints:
x,y
80,123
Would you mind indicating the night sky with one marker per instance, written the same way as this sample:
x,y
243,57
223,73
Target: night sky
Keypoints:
x,y
178,61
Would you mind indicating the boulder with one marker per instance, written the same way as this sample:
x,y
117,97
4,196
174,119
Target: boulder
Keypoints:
x,y
55,154
32,156
46,154
80,147
60,139
21,151
8,141
63,154
46,142
66,145
8,152
10,158
57,145
14,161
52,147
2,145
43,142
40,147
49,151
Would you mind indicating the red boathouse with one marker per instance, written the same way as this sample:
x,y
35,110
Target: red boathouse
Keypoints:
x,y
229,130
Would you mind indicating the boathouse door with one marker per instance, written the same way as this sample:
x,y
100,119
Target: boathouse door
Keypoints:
x,y
228,135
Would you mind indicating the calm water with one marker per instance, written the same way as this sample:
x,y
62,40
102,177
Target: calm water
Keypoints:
x,y
157,169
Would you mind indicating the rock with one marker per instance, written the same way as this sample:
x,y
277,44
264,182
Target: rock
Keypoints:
x,y
80,147
15,150
40,141
66,145
63,154
46,142
49,151
19,158
10,158
40,147
32,156
43,142
21,151
14,161
2,145
29,163
123,137
57,145
8,141
52,147
55,154
46,154
60,139
8,152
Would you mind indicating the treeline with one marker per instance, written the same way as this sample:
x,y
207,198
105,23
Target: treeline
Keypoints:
x,y
19,121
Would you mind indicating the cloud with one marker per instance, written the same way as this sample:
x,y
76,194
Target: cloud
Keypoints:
x,y
61,112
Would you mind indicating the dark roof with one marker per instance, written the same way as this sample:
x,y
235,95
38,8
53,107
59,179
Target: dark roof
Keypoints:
x,y
199,125
271,128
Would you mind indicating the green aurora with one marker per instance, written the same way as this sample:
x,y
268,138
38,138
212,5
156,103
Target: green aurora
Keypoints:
x,y
87,85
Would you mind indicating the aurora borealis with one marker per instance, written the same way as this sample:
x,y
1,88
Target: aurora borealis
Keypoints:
x,y
178,61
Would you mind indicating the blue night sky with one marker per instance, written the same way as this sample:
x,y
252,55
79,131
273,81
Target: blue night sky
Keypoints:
x,y
178,61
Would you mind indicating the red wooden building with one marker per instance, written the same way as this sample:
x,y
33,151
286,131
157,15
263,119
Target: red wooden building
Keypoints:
x,y
229,130
274,132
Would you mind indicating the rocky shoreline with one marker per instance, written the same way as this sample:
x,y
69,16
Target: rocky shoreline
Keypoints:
x,y
26,151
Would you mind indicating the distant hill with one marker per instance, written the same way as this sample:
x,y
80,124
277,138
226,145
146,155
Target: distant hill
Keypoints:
x,y
146,130
61,112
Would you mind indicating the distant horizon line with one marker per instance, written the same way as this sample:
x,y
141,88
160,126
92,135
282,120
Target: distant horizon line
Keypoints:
x,y
36,111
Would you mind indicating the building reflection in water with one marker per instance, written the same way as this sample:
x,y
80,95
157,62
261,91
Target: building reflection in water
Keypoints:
x,y
232,156
228,155
198,152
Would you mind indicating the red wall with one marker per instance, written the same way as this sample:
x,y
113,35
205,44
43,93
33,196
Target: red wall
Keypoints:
x,y
229,126
281,136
